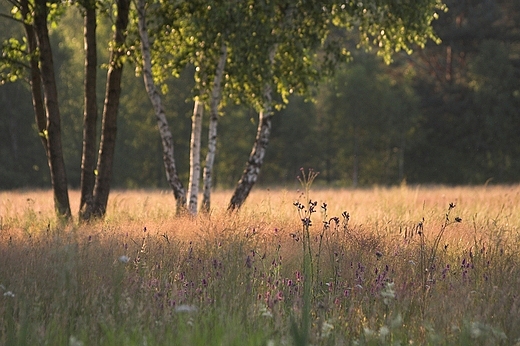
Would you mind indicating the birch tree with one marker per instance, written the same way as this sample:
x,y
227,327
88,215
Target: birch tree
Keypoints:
x,y
275,49
256,158
214,103
196,130
186,49
187,37
210,54
162,122
306,51
288,68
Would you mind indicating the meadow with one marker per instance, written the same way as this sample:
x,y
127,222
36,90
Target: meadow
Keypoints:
x,y
380,266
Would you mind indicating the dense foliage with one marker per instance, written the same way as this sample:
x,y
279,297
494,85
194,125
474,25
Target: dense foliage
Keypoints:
x,y
445,114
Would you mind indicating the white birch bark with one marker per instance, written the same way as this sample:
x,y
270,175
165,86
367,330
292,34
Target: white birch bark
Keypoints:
x,y
212,132
196,129
164,130
256,158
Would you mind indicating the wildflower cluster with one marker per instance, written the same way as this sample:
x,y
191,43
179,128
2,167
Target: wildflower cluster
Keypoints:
x,y
312,279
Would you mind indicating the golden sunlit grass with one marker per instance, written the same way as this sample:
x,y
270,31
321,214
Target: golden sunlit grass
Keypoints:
x,y
403,268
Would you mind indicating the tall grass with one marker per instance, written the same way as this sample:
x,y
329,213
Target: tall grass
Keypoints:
x,y
404,265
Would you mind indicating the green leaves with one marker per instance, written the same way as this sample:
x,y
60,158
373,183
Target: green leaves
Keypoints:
x,y
390,26
191,33
14,60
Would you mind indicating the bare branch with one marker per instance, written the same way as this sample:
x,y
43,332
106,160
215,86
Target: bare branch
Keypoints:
x,y
14,62
15,3
3,15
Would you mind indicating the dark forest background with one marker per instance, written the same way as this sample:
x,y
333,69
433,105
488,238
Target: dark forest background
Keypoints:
x,y
447,114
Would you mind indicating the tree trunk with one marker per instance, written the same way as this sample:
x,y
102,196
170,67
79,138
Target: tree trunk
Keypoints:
x,y
35,78
212,132
256,158
196,128
109,123
164,130
53,125
88,157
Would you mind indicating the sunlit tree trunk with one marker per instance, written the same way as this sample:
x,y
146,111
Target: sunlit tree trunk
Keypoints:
x,y
212,132
256,158
109,124
53,125
196,129
164,130
90,115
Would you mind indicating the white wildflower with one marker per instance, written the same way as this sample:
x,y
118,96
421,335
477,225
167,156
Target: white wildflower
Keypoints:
x,y
185,308
384,331
326,328
124,259
75,342
9,294
475,330
397,321
388,293
264,311
267,313
499,334
368,332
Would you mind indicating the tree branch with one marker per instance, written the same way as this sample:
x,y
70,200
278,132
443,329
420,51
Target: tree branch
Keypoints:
x,y
15,3
14,62
3,15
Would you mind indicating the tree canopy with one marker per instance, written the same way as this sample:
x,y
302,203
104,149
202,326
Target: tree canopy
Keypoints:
x,y
445,114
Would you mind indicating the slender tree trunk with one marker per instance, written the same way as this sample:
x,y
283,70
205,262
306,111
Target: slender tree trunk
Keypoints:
x,y
164,130
196,129
212,132
88,157
35,78
53,126
256,158
111,106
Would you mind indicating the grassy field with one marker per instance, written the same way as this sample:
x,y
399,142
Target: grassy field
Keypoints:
x,y
382,266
